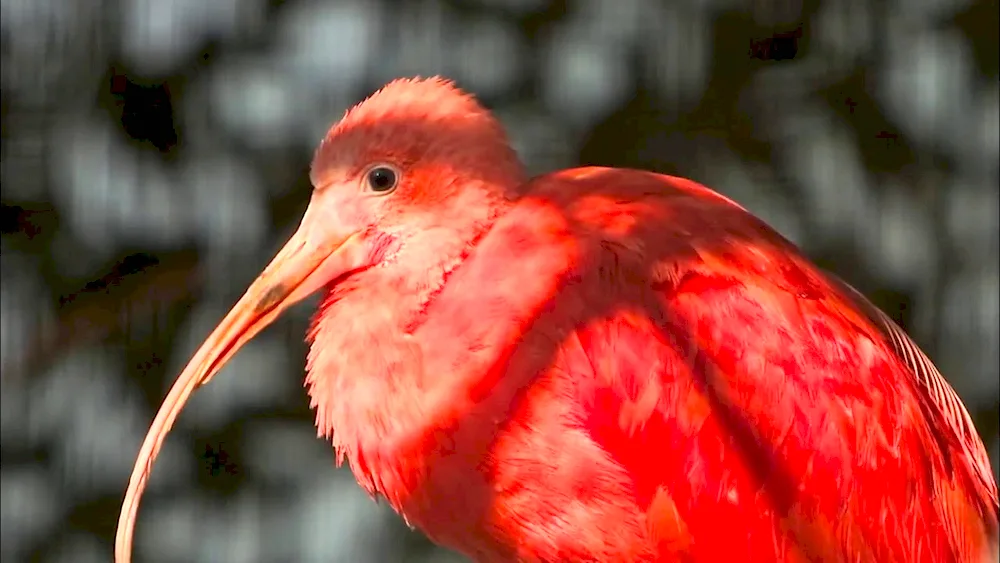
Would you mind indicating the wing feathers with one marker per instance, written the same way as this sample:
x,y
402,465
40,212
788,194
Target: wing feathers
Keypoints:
x,y
942,398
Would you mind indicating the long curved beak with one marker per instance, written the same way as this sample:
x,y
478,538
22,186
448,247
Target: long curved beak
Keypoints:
x,y
301,267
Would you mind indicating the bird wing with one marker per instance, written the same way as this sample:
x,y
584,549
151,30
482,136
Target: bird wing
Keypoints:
x,y
736,383
940,398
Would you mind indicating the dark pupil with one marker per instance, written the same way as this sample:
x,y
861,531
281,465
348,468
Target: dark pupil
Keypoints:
x,y
382,179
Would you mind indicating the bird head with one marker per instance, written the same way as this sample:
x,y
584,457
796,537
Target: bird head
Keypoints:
x,y
409,176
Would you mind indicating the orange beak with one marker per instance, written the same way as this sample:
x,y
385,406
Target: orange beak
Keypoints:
x,y
304,265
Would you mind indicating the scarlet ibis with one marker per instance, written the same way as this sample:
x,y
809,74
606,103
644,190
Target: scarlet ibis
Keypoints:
x,y
596,364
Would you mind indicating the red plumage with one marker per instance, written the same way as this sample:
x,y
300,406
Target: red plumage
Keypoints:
x,y
599,364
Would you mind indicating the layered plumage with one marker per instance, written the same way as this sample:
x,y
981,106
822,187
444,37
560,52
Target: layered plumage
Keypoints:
x,y
598,364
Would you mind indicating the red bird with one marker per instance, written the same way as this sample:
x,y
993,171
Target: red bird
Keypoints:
x,y
597,364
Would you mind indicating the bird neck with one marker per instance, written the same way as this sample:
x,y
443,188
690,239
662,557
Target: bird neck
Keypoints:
x,y
407,366
367,375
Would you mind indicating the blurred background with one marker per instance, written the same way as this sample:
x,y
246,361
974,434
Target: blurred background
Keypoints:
x,y
155,155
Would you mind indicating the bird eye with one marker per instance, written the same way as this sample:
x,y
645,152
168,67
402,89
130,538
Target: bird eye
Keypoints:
x,y
382,179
